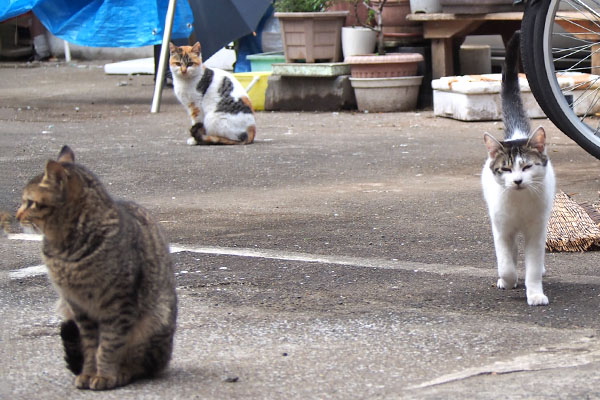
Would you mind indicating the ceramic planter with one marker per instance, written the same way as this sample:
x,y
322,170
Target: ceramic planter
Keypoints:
x,y
425,6
396,29
386,94
478,6
312,36
389,65
358,40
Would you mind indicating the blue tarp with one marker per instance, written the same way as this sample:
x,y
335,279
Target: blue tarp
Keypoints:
x,y
107,23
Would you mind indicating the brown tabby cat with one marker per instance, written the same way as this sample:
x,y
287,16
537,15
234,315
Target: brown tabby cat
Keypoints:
x,y
112,270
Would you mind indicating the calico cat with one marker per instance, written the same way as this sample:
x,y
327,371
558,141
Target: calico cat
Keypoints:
x,y
111,267
218,105
518,185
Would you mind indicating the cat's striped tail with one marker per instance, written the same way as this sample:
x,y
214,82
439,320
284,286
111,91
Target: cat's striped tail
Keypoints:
x,y
516,122
69,333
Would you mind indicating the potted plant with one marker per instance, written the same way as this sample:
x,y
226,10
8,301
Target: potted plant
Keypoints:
x,y
384,82
309,32
356,38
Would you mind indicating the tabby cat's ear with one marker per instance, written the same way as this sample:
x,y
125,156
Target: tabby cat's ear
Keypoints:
x,y
493,146
54,174
537,140
66,155
196,48
172,47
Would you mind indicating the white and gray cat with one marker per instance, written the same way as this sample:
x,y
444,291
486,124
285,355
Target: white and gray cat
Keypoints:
x,y
218,105
518,186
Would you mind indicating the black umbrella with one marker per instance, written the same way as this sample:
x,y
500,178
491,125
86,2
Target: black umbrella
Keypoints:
x,y
218,22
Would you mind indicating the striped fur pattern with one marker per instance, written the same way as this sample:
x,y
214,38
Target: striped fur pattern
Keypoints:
x,y
112,270
218,105
518,185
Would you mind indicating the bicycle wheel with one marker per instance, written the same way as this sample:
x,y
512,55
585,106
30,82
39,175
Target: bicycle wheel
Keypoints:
x,y
528,49
566,58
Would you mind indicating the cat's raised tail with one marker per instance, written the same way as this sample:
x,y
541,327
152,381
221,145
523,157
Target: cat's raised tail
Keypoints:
x,y
516,122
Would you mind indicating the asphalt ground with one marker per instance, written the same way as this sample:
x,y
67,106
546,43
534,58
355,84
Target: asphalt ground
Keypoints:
x,y
341,256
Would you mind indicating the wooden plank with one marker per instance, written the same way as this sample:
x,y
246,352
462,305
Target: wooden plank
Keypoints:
x,y
502,16
448,29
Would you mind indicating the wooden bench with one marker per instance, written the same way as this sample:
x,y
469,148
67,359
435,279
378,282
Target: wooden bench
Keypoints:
x,y
449,30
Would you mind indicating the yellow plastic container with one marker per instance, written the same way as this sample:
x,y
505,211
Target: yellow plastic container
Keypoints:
x,y
259,82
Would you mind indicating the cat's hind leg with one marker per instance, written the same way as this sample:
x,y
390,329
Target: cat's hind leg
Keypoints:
x,y
200,137
506,256
197,132
251,133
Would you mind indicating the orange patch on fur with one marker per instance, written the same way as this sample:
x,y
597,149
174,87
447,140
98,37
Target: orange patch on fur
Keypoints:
x,y
195,111
247,102
251,131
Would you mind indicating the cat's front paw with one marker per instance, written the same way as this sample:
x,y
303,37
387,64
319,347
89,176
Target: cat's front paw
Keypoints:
x,y
192,142
82,381
537,299
103,382
504,284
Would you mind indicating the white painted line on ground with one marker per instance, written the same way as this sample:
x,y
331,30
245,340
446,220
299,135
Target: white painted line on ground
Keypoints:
x,y
361,262
25,236
364,262
28,272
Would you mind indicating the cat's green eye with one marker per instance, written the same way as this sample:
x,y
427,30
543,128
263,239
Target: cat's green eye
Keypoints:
x,y
30,203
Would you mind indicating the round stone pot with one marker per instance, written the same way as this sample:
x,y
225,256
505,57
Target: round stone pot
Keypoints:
x,y
386,94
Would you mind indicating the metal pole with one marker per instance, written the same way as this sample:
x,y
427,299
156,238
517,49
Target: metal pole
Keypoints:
x,y
164,52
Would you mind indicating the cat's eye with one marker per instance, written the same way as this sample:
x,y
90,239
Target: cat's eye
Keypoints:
x,y
178,64
189,64
526,167
506,169
30,203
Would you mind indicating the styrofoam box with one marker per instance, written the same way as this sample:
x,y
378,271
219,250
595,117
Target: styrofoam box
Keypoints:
x,y
477,97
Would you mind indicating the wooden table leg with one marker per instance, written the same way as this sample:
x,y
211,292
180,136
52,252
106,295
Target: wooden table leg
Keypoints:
x,y
442,58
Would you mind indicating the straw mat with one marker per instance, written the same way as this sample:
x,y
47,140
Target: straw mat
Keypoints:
x,y
573,226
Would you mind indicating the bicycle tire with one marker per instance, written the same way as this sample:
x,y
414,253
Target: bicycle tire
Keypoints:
x,y
527,51
560,101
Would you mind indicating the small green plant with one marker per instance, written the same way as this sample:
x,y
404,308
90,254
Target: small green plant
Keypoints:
x,y
301,5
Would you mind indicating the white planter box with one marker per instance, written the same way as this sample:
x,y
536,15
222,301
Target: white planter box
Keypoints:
x,y
477,97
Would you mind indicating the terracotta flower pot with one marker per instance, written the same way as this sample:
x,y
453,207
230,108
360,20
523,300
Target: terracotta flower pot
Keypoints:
x,y
395,25
343,5
389,65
